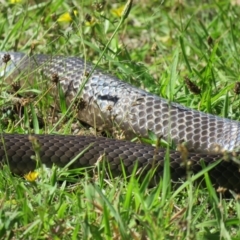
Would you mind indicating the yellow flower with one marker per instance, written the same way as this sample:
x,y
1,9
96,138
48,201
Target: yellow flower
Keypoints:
x,y
66,17
12,202
15,1
31,176
118,11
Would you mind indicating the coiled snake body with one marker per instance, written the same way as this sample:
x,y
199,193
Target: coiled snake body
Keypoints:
x,y
109,103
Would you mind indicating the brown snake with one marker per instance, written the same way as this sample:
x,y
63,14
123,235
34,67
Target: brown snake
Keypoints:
x,y
110,103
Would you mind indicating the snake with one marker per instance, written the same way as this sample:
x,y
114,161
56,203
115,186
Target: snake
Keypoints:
x,y
108,103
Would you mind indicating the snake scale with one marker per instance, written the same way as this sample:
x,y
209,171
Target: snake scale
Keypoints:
x,y
110,103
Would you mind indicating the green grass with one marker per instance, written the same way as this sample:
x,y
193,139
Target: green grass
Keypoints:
x,y
155,48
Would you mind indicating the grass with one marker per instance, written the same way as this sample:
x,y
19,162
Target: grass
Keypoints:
x,y
156,47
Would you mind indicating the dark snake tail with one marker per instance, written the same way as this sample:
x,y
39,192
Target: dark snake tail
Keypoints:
x,y
17,150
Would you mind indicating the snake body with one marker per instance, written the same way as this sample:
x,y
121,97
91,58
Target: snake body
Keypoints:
x,y
110,103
